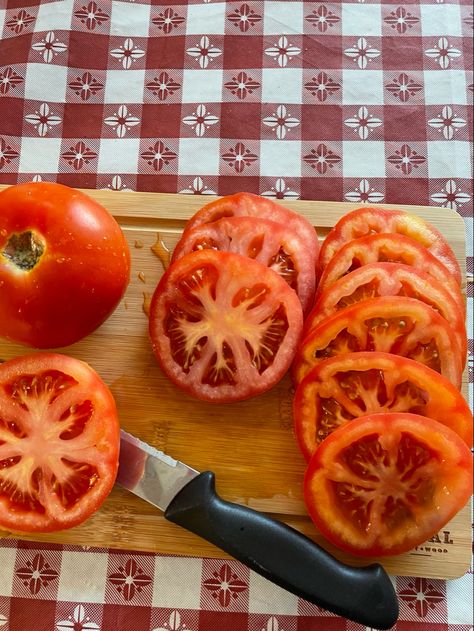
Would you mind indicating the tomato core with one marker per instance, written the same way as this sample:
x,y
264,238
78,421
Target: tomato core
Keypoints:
x,y
24,250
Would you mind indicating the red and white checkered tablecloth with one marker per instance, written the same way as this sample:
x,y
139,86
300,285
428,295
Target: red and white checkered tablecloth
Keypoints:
x,y
363,101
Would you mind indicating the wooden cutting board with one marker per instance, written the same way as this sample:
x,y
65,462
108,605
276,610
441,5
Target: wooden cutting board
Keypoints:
x,y
249,445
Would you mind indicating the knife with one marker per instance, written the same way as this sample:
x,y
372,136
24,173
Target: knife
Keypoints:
x,y
279,553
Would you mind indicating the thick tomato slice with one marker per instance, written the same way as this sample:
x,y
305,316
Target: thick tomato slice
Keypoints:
x,y
346,387
366,221
224,327
59,442
388,279
385,483
390,324
64,264
388,248
268,242
249,205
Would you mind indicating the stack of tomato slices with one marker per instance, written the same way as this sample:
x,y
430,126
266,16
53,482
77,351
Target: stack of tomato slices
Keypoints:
x,y
227,315
378,412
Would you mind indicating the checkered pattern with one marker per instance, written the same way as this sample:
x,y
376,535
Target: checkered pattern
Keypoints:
x,y
362,101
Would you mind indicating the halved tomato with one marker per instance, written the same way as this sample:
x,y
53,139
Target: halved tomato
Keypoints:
x,y
388,279
224,327
366,221
250,205
391,324
388,248
268,242
346,387
59,442
385,483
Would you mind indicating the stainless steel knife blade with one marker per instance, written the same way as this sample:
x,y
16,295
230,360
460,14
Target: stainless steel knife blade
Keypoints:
x,y
150,473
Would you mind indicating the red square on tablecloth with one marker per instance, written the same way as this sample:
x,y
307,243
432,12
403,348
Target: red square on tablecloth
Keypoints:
x,y
161,120
402,123
321,122
309,623
85,120
156,182
16,49
243,54
124,618
11,116
24,617
218,621
402,53
322,53
83,53
164,53
241,120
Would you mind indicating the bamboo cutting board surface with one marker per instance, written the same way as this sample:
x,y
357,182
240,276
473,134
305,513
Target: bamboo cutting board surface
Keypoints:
x,y
249,445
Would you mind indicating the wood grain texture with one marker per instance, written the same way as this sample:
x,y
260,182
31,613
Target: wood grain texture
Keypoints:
x,y
249,445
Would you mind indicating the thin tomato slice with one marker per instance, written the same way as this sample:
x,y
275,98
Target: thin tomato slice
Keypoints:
x,y
388,248
59,442
345,387
366,221
268,242
385,483
249,205
388,279
224,327
390,324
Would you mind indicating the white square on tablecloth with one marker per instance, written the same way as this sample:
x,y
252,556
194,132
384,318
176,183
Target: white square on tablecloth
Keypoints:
x,y
198,156
130,19
46,83
202,86
7,565
266,597
119,155
124,86
86,585
39,155
280,158
361,19
363,158
449,159
173,577
441,19
283,18
459,599
54,16
362,87
282,85
2,19
445,87
206,19
469,222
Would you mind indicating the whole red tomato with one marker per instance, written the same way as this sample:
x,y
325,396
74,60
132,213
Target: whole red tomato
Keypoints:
x,y
64,264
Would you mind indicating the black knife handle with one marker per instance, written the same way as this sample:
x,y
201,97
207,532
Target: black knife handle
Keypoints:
x,y
285,556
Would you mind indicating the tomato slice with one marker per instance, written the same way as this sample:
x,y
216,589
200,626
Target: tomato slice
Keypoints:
x,y
388,279
59,442
346,387
388,248
390,324
385,483
268,242
249,205
366,221
224,327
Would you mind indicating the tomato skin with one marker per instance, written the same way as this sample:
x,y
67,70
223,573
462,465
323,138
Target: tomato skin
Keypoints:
x,y
386,445
224,327
81,275
348,386
363,327
388,279
365,221
39,396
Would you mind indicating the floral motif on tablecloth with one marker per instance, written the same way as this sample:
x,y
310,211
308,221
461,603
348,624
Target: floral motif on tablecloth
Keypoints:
x,y
322,86
127,53
401,20
130,579
7,153
37,574
92,15
77,621
364,193
3,620
322,18
163,86
322,159
443,53
42,119
406,159
86,86
204,52
225,585
451,196
242,85
158,155
168,20
174,623
200,120
197,187
20,21
447,122
403,87
117,185
363,122
280,190
239,157
281,122
283,51
421,595
8,80
244,17
50,47
78,155
121,121
362,52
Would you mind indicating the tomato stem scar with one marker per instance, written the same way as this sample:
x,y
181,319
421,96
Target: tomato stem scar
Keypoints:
x,y
24,250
